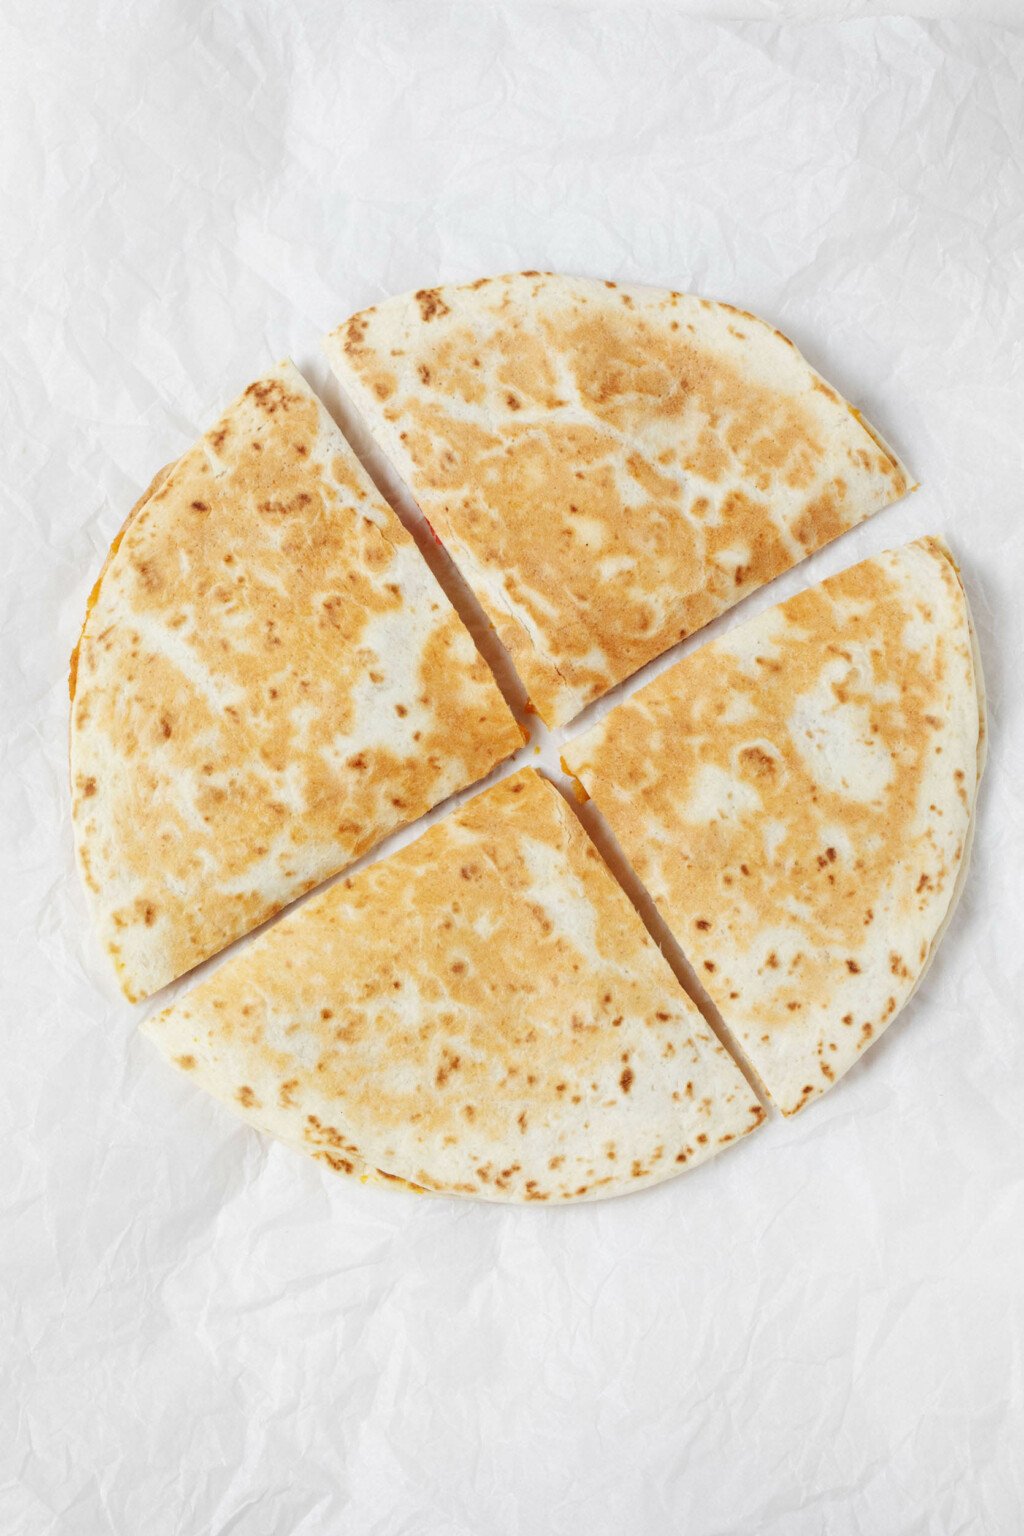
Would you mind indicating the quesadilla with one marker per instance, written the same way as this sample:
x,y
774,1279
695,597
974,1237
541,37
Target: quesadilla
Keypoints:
x,y
269,681
610,467
481,1014
798,799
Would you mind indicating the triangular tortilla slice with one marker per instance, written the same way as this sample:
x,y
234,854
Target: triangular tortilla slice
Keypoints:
x,y
480,1014
610,467
798,799
268,682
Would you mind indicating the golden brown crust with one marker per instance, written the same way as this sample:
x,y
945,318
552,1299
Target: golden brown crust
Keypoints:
x,y
481,1013
610,467
797,798
269,681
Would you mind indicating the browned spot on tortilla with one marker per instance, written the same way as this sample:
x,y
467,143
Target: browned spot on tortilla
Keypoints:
x,y
186,1063
355,331
449,1063
431,303
272,395
821,521
757,761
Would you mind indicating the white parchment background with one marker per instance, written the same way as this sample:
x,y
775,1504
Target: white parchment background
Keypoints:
x,y
199,1332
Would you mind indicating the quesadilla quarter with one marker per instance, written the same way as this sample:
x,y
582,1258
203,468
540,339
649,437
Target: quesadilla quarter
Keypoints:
x,y
798,799
610,467
269,681
481,1014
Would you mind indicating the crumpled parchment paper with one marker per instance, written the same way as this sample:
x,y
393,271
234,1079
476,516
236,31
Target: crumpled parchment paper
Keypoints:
x,y
201,1332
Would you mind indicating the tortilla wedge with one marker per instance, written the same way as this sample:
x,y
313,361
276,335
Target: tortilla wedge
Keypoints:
x,y
269,681
611,467
798,799
480,1014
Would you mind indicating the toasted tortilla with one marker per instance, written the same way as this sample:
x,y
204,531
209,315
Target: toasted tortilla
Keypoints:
x,y
798,799
269,681
481,1014
611,467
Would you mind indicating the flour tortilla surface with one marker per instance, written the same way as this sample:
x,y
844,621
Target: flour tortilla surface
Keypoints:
x,y
480,1014
798,799
269,681
611,467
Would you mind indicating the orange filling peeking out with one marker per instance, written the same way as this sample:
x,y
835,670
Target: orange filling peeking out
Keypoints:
x,y
93,598
577,787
